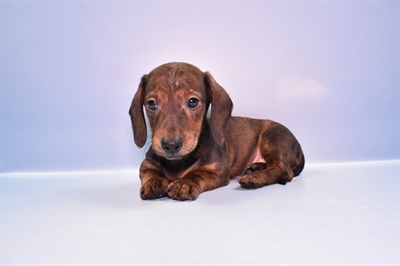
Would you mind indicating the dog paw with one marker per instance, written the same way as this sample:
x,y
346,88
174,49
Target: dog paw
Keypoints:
x,y
259,179
182,189
154,188
249,181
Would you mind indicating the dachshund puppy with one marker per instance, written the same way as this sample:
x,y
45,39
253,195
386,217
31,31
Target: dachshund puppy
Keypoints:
x,y
191,153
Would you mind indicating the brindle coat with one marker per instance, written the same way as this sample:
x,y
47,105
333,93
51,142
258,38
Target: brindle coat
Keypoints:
x,y
190,153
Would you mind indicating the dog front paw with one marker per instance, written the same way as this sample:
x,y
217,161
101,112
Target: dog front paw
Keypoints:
x,y
182,189
154,188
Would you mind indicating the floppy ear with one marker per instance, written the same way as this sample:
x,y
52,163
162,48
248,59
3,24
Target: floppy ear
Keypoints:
x,y
221,108
137,116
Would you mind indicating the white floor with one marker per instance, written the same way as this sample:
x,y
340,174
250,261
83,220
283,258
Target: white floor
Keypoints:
x,y
331,214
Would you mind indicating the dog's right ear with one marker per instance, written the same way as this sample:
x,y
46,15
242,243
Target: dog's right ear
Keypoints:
x,y
137,115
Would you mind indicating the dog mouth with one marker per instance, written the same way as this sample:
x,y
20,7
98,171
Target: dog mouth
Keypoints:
x,y
173,157
174,150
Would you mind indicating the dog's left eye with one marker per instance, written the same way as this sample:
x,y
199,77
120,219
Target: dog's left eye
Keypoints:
x,y
193,102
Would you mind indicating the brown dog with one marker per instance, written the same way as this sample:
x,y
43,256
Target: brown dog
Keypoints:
x,y
190,153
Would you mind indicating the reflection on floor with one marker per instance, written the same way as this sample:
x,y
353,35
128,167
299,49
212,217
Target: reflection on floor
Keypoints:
x,y
330,214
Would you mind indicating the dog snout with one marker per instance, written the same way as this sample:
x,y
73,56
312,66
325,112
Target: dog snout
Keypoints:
x,y
172,145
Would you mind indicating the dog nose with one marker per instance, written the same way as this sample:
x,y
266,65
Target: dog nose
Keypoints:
x,y
171,145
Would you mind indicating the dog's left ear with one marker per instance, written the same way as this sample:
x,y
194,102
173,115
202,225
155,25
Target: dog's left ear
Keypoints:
x,y
221,108
137,115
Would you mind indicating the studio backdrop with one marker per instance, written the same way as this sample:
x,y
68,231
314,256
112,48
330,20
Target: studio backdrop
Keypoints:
x,y
327,70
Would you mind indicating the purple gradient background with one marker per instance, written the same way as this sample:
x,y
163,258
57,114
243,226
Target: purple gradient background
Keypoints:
x,y
327,70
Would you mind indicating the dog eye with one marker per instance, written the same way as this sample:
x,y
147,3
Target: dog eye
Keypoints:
x,y
193,102
152,105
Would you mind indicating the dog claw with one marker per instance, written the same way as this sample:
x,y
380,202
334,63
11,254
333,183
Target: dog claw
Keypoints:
x,y
244,184
255,184
157,194
183,198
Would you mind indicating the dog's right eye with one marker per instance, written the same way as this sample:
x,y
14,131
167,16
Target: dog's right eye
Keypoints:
x,y
152,105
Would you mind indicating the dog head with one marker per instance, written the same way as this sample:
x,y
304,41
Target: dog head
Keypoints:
x,y
176,97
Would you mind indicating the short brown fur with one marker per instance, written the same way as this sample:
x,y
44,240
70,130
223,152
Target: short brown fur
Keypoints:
x,y
191,153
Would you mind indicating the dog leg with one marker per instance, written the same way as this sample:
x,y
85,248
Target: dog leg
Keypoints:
x,y
276,173
190,186
154,183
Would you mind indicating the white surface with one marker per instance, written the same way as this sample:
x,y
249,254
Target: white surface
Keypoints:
x,y
330,214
